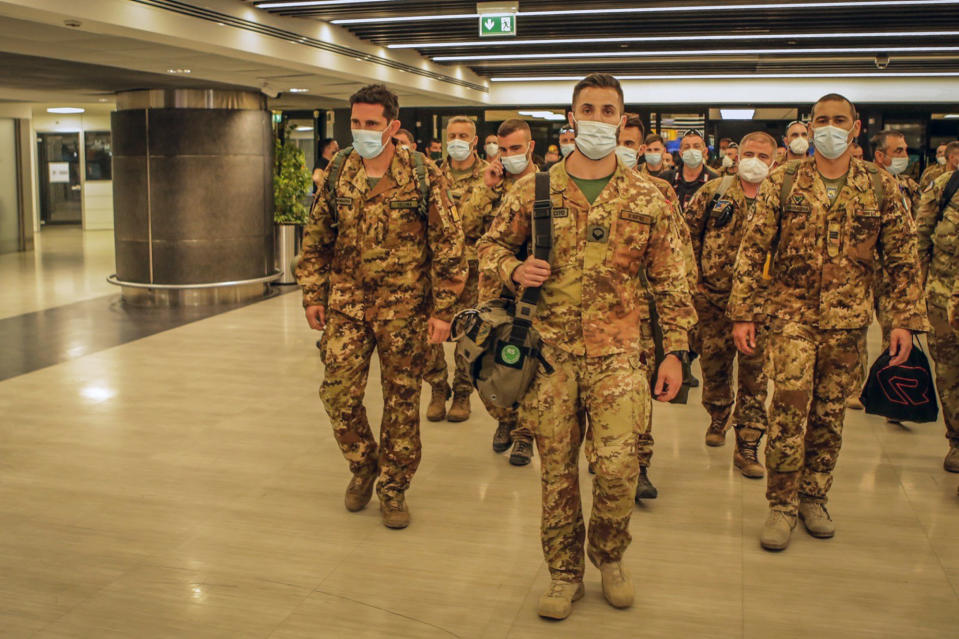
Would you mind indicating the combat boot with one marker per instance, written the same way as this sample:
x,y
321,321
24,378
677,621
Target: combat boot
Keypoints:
x,y
716,432
359,491
502,438
522,452
644,487
557,601
460,409
746,460
951,462
777,530
617,584
437,408
816,519
394,511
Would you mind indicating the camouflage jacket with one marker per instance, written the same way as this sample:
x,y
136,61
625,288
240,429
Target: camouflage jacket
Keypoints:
x,y
911,194
594,302
381,259
938,242
953,309
473,225
826,259
930,174
679,227
715,248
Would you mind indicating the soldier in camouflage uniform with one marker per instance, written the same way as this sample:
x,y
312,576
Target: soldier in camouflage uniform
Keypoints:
x,y
933,171
370,260
830,239
716,223
939,256
513,162
463,170
609,225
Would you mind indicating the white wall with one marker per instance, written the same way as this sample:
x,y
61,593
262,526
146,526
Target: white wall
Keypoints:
x,y
9,206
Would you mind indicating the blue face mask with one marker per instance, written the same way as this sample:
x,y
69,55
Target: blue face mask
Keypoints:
x,y
628,156
653,159
369,144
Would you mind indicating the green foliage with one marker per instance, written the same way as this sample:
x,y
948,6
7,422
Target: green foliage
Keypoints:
x,y
291,182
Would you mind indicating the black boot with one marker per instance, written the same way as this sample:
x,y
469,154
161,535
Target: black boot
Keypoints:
x,y
644,487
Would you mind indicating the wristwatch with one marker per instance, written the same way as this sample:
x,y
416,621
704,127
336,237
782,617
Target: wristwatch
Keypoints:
x,y
682,356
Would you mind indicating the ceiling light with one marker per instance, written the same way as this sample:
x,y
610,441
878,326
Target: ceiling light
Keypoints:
x,y
294,90
178,71
859,4
312,3
677,38
951,116
304,128
739,76
688,52
544,115
737,114
64,110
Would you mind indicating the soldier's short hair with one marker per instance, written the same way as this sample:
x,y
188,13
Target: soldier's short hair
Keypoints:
x,y
408,134
727,140
759,136
462,119
835,97
880,141
952,147
654,137
634,122
378,94
512,126
600,81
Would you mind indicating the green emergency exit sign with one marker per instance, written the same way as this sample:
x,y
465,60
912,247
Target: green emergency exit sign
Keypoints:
x,y
497,25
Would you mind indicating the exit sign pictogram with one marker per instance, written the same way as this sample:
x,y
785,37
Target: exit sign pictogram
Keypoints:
x,y
497,25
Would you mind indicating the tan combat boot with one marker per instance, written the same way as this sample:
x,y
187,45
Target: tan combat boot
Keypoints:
x,y
557,601
644,487
617,584
394,511
816,519
746,460
460,410
716,432
502,438
437,408
777,530
359,491
951,462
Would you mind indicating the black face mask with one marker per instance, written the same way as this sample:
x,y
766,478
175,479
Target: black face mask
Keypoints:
x,y
436,155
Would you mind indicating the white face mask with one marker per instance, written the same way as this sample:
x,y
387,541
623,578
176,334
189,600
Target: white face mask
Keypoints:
x,y
753,170
898,165
799,146
653,159
692,158
831,141
492,148
941,159
515,164
595,139
369,144
727,162
566,149
459,150
629,156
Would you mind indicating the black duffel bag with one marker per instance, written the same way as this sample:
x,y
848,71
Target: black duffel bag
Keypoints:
x,y
904,393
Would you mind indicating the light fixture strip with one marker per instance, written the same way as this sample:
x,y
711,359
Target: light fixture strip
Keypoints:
x,y
689,53
740,76
295,4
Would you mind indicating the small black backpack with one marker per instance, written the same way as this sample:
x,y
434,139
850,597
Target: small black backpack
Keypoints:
x,y
904,393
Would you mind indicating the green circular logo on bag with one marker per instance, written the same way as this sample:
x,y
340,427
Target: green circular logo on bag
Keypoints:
x,y
510,354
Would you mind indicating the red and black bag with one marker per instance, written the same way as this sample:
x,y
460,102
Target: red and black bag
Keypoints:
x,y
905,393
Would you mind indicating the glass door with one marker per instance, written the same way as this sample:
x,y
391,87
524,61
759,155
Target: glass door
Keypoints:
x,y
58,155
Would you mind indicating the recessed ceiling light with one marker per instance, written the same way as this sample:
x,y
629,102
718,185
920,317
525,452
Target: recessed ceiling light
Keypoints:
x,y
312,3
62,110
739,76
295,90
737,114
304,128
178,71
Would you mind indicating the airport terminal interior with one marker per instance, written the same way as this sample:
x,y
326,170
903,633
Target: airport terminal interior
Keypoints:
x,y
167,466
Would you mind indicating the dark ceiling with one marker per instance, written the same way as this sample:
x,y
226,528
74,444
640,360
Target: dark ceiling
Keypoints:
x,y
688,31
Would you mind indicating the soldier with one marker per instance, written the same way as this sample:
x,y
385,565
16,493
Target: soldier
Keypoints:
x,y
694,172
372,253
797,141
833,224
463,170
491,147
608,226
856,150
717,163
934,170
891,154
656,158
567,140
513,162
938,223
404,138
730,161
954,307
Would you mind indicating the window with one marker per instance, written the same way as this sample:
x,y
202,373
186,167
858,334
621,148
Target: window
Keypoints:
x,y
98,155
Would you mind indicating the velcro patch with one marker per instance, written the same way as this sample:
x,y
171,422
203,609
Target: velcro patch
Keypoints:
x,y
636,216
559,212
404,204
344,201
797,208
867,213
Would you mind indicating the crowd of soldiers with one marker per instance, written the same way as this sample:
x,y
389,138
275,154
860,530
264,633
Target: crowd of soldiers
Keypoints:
x,y
777,258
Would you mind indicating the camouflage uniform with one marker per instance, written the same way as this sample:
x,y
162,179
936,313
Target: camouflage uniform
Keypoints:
x,y
930,175
715,250
590,316
819,303
954,307
437,374
373,272
939,255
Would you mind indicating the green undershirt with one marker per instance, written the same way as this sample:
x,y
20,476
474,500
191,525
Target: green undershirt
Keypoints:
x,y
372,182
833,187
592,188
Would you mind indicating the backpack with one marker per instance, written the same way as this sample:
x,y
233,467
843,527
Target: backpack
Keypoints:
x,y
947,194
497,342
903,393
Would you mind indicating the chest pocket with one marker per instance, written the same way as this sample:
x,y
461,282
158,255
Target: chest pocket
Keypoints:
x,y
404,224
628,240
862,234
566,236
798,232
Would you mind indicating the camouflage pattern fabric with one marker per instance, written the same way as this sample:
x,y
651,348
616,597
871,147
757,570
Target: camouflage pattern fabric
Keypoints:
x,y
911,194
944,348
954,307
930,175
346,347
437,370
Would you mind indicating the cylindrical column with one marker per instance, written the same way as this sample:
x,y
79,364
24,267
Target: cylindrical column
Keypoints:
x,y
193,196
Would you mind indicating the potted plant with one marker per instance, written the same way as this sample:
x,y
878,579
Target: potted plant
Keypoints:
x,y
291,186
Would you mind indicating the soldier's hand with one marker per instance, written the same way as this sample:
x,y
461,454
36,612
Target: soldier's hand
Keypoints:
x,y
532,272
316,316
493,175
744,336
669,379
439,330
900,345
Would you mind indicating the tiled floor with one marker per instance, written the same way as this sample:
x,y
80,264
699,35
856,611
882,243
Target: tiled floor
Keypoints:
x,y
187,485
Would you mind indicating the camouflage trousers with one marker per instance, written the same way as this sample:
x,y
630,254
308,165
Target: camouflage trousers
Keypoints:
x,y
716,358
437,370
813,372
612,392
944,348
346,348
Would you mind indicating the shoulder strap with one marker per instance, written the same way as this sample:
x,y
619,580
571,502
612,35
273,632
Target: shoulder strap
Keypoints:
x,y
724,186
542,246
419,168
788,180
947,194
876,180
333,177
